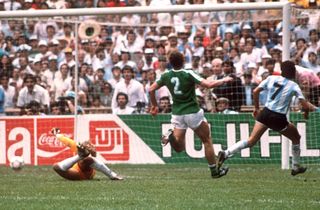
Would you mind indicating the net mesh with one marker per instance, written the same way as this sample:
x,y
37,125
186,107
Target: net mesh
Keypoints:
x,y
223,37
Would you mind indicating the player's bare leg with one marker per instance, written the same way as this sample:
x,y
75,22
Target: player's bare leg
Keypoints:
x,y
203,131
257,132
291,132
176,138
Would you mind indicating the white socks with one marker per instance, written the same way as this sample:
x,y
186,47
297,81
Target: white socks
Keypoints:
x,y
68,163
100,166
236,147
295,155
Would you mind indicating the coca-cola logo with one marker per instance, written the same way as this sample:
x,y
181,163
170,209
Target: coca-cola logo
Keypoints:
x,y
50,140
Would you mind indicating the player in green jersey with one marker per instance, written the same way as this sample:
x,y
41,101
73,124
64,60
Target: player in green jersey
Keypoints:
x,y
186,112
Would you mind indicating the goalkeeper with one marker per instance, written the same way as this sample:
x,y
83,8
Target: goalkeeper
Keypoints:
x,y
83,165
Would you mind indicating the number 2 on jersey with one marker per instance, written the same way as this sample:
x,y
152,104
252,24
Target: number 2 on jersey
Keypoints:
x,y
278,89
175,81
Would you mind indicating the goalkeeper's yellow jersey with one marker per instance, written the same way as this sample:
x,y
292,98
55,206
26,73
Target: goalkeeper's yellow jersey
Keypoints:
x,y
68,142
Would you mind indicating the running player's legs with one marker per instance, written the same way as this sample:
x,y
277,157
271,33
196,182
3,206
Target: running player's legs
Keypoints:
x,y
203,131
257,132
179,132
291,132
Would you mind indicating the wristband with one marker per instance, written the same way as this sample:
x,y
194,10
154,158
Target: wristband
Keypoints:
x,y
317,109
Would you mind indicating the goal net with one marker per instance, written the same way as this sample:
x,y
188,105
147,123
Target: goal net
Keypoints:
x,y
245,40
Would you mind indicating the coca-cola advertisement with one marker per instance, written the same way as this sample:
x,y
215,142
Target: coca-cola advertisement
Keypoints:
x,y
48,146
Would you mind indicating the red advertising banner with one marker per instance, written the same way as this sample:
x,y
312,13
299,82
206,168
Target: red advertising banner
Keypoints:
x,y
30,138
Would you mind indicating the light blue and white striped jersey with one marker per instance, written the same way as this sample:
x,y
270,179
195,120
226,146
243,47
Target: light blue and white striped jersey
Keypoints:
x,y
280,92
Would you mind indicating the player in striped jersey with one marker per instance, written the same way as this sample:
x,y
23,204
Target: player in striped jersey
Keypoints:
x,y
185,109
280,89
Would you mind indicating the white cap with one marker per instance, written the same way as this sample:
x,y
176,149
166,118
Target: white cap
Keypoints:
x,y
36,60
53,57
207,65
172,35
33,37
24,47
54,42
150,38
163,38
229,30
246,26
266,55
43,42
29,1
148,51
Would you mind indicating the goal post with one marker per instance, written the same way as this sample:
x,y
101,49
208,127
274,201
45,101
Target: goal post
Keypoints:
x,y
285,7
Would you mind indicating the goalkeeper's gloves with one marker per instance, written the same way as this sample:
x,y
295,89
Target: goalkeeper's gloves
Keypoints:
x,y
55,131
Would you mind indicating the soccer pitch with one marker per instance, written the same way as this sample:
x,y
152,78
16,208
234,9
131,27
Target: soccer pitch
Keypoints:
x,y
171,186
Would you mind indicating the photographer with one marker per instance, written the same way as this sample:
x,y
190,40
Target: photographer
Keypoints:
x,y
67,104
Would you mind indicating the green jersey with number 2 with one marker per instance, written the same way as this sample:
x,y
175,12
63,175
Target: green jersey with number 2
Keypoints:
x,y
181,84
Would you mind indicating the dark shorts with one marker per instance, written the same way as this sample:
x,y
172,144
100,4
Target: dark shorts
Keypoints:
x,y
273,120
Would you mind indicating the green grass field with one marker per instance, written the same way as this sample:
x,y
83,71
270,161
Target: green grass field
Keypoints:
x,y
183,186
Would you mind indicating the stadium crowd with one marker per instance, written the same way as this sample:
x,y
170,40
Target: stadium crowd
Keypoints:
x,y
116,68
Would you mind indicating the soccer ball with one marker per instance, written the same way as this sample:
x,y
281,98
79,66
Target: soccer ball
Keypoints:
x,y
16,163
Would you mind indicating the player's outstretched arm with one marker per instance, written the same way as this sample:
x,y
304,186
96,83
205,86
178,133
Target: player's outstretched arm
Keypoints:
x,y
308,107
256,94
215,83
153,100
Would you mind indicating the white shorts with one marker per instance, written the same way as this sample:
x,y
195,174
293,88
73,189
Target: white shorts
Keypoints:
x,y
192,121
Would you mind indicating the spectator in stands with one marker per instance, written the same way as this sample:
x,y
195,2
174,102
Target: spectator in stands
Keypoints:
x,y
116,76
161,66
33,108
164,105
6,65
125,60
32,92
233,90
303,27
149,59
106,94
56,109
312,62
17,78
131,87
10,92
70,103
50,73
96,105
311,82
250,55
122,105
222,106
298,50
61,82
173,42
249,86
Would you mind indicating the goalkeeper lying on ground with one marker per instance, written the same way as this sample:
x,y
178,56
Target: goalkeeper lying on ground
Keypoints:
x,y
83,165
